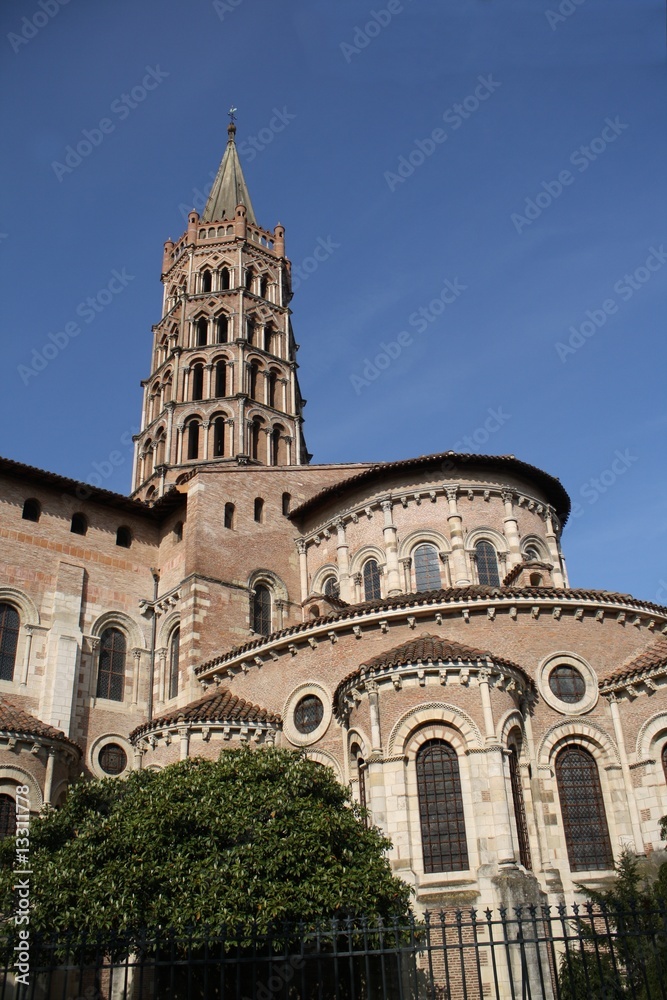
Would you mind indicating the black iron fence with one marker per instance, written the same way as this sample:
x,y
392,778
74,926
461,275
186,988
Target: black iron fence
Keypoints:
x,y
530,953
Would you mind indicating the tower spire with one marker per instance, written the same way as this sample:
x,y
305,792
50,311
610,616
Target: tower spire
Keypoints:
x,y
229,187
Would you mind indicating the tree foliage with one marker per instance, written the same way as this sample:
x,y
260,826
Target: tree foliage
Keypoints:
x,y
257,836
619,951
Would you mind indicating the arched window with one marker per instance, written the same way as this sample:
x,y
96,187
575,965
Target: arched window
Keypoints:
x,y
174,650
222,329
663,757
124,537
287,499
427,567
202,331
441,808
331,587
219,437
253,373
270,342
206,281
261,610
7,816
79,525
273,390
259,509
582,808
255,433
371,577
197,382
193,439
224,278
278,456
9,638
519,807
229,515
111,673
220,379
487,564
249,279
31,510
160,446
263,286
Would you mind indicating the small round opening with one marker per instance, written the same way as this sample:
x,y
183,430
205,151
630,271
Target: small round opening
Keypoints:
x,y
308,714
567,684
113,759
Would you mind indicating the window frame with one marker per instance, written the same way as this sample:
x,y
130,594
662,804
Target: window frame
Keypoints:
x,y
455,837
106,683
596,820
12,630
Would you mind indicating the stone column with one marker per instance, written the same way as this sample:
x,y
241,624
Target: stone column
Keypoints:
x,y
627,778
552,542
303,566
495,757
169,407
161,655
48,780
184,735
460,576
343,558
406,565
26,655
205,424
535,792
374,711
138,758
137,671
356,582
391,550
489,729
511,529
207,387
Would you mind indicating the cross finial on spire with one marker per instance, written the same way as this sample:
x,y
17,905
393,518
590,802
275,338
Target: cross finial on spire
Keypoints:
x,y
231,128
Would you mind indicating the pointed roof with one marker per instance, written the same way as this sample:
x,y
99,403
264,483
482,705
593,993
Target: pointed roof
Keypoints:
x,y
229,187
19,723
220,705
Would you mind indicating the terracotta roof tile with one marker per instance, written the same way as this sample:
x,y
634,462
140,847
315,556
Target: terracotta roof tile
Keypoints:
x,y
219,705
652,657
15,720
552,487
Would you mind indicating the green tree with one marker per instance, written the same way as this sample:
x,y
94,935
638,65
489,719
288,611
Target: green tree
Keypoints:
x,y
257,836
618,947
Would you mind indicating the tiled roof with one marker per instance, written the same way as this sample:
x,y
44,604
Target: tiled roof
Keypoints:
x,y
652,657
15,720
553,488
427,649
84,491
219,705
453,595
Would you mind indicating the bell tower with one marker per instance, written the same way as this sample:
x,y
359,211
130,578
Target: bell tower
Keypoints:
x,y
223,385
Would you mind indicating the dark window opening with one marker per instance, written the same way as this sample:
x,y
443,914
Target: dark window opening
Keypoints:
x,y
206,281
112,759
198,382
111,674
229,515
567,684
263,286
7,816
331,587
174,653
124,537
224,278
178,531
202,332
519,808
287,499
220,379
487,565
79,525
193,439
427,568
10,624
371,577
582,807
222,329
32,510
441,808
259,510
308,714
261,610
219,437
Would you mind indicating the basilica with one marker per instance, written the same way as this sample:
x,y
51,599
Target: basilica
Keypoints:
x,y
408,624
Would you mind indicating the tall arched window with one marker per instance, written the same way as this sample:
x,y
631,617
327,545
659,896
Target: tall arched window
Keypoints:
x,y
287,499
249,276
206,281
261,610
278,455
202,331
259,510
9,638
253,375
174,651
519,807
263,286
193,439
222,329
197,382
371,577
111,673
230,510
487,564
79,524
255,435
427,567
219,437
224,278
441,808
124,537
31,510
7,816
273,390
220,379
582,808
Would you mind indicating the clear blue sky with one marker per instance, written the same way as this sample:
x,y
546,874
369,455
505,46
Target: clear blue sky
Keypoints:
x,y
359,95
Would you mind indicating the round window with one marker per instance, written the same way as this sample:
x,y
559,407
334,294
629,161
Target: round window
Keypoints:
x,y
308,714
567,684
113,759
